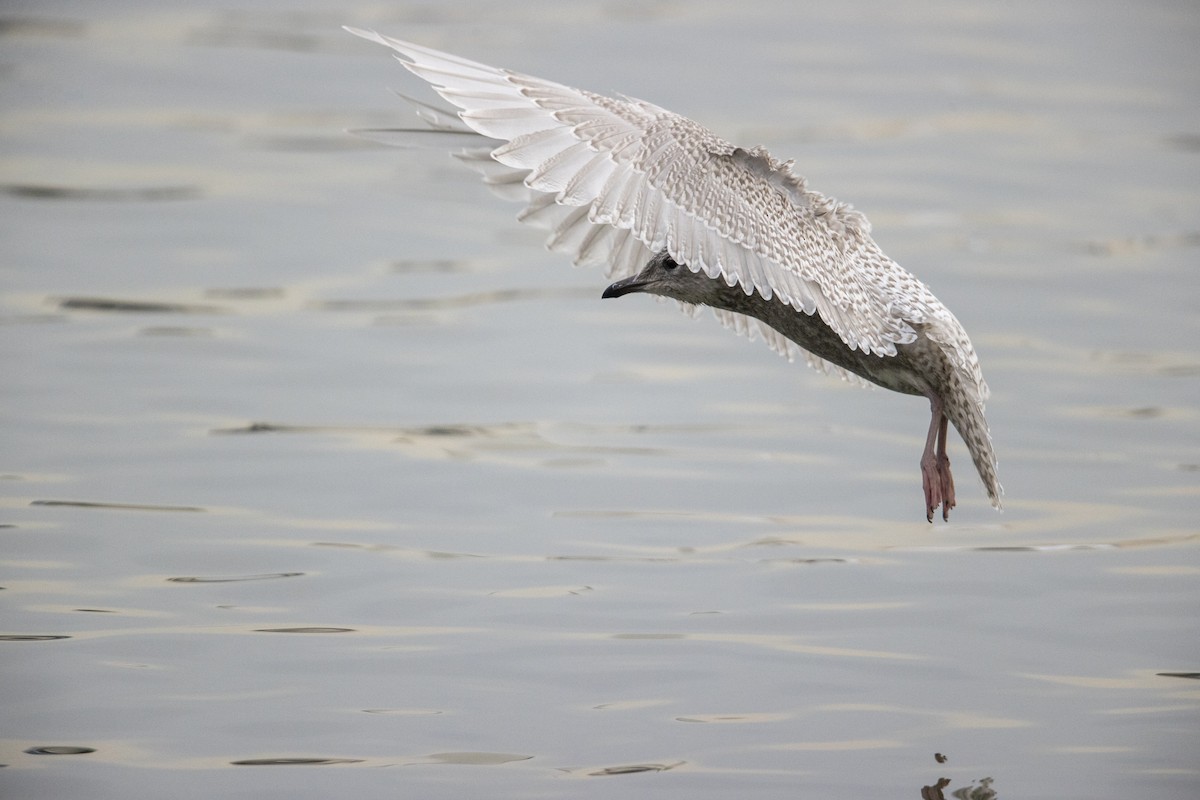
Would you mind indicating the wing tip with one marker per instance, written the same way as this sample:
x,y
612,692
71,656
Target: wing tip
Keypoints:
x,y
401,47
363,33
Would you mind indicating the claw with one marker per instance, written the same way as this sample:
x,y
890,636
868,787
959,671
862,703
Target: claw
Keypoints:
x,y
947,486
931,482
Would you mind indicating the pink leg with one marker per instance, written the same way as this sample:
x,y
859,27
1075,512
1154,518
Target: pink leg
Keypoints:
x,y
943,465
931,478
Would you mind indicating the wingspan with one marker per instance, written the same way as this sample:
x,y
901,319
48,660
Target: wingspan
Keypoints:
x,y
618,179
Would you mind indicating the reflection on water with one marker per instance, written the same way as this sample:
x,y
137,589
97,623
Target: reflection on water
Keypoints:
x,y
233,578
285,762
309,629
633,769
113,506
59,750
132,306
982,791
478,759
102,194
461,301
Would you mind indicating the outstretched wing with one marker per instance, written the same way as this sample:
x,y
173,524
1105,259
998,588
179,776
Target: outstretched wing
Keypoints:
x,y
621,179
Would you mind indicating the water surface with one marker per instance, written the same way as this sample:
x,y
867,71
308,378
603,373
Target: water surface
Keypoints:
x,y
314,461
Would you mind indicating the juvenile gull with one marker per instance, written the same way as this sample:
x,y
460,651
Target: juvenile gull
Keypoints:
x,y
674,210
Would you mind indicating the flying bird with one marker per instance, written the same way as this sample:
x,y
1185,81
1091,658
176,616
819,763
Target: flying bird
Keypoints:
x,y
672,209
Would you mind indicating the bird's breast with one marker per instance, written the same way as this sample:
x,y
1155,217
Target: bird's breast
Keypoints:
x,y
902,372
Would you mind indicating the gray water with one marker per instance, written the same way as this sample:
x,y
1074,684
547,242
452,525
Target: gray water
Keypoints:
x,y
314,462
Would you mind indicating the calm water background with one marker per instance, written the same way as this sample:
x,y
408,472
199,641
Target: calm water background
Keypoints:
x,y
311,453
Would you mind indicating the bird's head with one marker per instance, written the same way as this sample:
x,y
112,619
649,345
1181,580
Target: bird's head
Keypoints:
x,y
662,275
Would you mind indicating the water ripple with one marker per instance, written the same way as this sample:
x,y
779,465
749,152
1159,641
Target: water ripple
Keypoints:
x,y
233,578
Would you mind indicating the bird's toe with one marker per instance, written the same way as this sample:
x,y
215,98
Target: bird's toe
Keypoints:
x,y
946,482
931,483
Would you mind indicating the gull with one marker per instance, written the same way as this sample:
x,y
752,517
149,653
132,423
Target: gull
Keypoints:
x,y
672,209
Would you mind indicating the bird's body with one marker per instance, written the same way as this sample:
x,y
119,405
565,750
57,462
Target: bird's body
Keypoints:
x,y
672,209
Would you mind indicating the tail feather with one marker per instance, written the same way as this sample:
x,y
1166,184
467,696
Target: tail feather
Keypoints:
x,y
968,419
964,393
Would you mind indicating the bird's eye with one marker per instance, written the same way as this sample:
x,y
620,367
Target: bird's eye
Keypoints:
x,y
669,263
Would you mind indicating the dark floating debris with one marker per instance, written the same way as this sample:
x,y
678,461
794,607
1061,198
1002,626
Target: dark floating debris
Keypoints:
x,y
59,750
233,578
114,506
30,637
939,758
1192,675
283,762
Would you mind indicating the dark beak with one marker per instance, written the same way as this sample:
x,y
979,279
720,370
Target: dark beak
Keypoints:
x,y
626,286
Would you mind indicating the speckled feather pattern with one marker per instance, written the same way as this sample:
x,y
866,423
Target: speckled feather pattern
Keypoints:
x,y
617,180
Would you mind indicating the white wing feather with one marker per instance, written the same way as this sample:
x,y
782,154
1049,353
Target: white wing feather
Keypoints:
x,y
629,179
